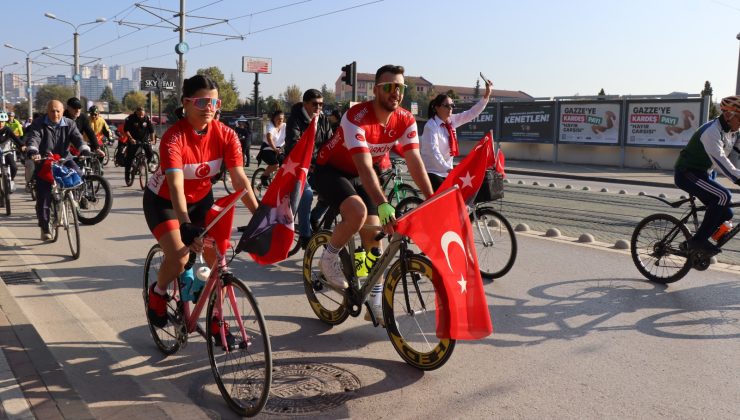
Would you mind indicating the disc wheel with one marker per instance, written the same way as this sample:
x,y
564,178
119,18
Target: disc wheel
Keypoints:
x,y
409,309
656,248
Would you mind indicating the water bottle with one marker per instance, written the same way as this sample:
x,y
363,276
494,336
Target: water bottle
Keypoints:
x,y
201,277
722,230
186,284
360,269
371,258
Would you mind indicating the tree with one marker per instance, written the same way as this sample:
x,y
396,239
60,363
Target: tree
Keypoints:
x,y
107,96
601,92
292,95
451,93
229,98
329,97
713,111
707,90
411,95
48,92
476,91
21,110
133,100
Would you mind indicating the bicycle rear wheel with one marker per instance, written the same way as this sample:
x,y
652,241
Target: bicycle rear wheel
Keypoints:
x,y
655,248
226,179
329,305
409,309
6,193
165,338
71,225
243,374
495,242
106,158
95,200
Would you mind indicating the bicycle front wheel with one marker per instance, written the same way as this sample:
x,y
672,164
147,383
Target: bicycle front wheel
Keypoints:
x,y
243,374
403,191
495,242
257,187
6,193
153,164
409,309
143,173
165,338
95,200
106,158
656,248
71,225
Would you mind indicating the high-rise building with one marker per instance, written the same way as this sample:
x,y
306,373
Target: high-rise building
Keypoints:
x,y
117,72
85,72
60,79
136,74
123,86
100,71
93,87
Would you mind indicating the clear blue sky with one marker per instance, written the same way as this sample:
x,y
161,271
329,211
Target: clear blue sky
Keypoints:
x,y
542,47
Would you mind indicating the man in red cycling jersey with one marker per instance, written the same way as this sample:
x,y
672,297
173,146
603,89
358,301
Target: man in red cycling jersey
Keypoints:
x,y
179,195
345,174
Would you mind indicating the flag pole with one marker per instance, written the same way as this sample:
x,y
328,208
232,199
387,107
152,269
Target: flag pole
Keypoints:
x,y
223,212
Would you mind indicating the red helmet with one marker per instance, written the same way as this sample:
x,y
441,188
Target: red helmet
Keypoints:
x,y
730,103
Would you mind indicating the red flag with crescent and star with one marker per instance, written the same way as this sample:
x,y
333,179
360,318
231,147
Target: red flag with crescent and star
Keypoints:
x,y
270,233
469,173
462,311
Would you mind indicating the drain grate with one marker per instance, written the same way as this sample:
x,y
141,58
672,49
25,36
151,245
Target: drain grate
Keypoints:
x,y
19,277
300,389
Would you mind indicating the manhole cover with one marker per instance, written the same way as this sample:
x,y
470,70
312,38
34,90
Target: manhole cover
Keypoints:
x,y
19,277
309,388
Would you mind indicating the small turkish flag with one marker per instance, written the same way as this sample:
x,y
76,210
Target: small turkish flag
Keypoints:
x,y
469,173
221,231
462,310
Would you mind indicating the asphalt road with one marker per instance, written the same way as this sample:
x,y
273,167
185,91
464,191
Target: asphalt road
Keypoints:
x,y
578,333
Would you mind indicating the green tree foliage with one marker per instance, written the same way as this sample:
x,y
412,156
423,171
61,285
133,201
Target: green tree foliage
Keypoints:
x,y
48,92
601,92
329,97
476,90
21,110
227,94
134,99
292,95
707,91
713,111
107,96
451,93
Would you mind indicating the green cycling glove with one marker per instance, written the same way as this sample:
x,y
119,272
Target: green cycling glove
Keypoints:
x,y
385,212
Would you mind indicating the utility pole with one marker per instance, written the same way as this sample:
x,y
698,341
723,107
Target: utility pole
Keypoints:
x,y
180,53
256,95
29,89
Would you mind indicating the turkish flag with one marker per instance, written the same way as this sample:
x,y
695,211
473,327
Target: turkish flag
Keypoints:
x,y
462,310
499,161
221,231
468,174
269,235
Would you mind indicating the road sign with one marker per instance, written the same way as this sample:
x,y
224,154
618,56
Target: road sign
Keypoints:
x,y
256,65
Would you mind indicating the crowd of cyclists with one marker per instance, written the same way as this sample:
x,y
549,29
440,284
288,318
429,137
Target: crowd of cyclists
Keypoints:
x,y
351,152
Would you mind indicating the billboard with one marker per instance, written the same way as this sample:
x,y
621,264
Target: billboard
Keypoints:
x,y
531,122
662,123
152,76
478,127
589,122
256,65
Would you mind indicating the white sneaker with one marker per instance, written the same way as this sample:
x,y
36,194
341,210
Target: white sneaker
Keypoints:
x,y
12,186
331,268
377,313
45,236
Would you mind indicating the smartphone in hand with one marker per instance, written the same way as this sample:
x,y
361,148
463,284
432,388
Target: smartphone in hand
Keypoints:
x,y
485,79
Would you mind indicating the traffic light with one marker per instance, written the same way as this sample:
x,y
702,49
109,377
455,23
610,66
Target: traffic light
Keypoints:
x,y
349,73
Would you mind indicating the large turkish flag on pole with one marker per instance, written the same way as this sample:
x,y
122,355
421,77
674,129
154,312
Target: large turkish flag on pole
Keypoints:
x,y
469,173
462,310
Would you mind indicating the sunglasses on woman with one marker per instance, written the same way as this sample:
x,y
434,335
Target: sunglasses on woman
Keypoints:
x,y
389,87
202,103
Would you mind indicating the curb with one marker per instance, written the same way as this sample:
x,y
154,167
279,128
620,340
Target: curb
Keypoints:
x,y
34,367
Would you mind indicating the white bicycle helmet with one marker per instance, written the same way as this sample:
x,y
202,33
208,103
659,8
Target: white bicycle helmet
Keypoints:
x,y
3,116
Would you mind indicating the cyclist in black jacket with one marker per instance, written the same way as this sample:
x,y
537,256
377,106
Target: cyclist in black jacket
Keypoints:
x,y
74,113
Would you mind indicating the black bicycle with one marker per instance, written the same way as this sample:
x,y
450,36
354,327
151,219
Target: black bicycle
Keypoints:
x,y
139,168
658,245
94,195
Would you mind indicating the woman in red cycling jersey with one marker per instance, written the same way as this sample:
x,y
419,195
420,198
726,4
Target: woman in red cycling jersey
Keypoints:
x,y
179,195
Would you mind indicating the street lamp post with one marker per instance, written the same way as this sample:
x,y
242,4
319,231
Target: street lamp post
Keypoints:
x,y
2,82
29,89
76,76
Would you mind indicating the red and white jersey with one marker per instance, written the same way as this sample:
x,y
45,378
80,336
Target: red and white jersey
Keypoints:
x,y
198,157
360,132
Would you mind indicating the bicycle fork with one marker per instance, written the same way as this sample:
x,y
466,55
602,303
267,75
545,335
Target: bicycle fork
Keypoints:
x,y
485,233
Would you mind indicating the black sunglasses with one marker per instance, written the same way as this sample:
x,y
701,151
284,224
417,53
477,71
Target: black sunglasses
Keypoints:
x,y
449,106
